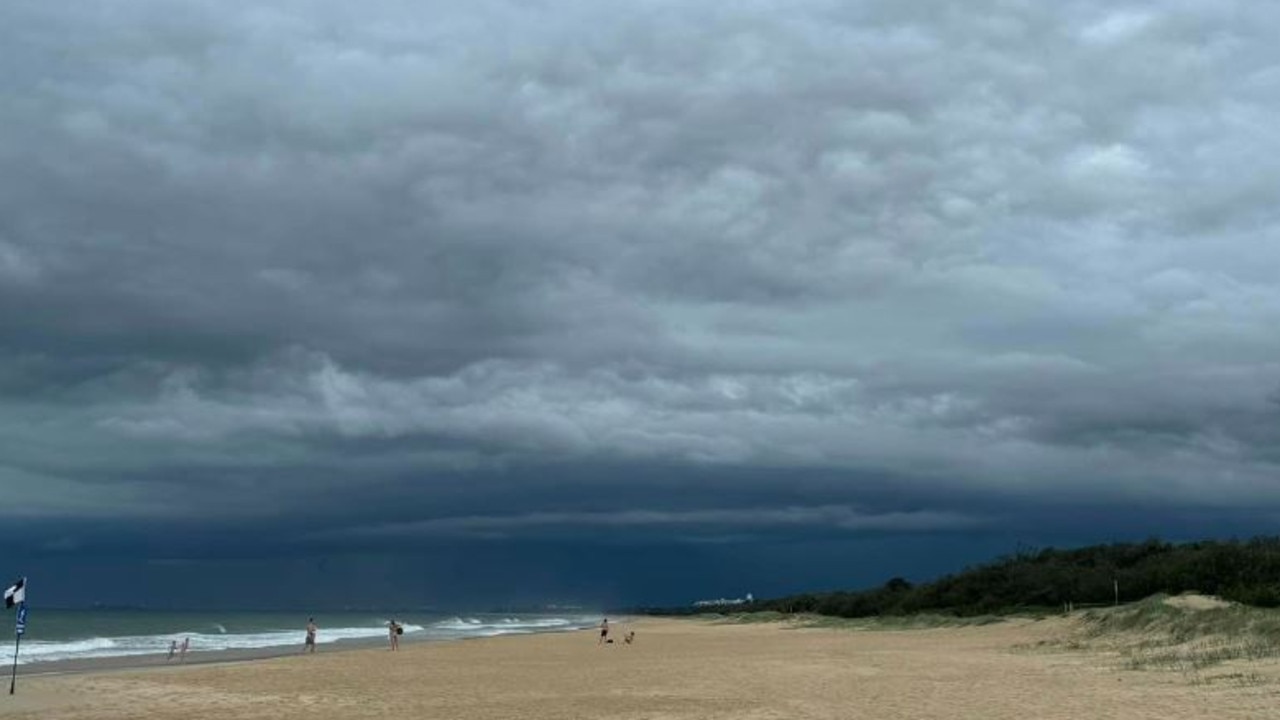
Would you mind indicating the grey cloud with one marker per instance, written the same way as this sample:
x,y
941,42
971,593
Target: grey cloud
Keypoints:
x,y
810,519
1106,436
1009,249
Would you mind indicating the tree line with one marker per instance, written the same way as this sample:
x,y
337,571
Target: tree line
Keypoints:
x,y
1246,571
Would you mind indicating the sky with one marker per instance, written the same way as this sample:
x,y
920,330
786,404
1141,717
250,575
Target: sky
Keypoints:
x,y
617,303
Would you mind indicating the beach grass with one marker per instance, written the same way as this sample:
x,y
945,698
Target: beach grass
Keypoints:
x,y
1198,639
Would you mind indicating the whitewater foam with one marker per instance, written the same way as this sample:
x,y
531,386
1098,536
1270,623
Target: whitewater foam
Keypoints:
x,y
38,651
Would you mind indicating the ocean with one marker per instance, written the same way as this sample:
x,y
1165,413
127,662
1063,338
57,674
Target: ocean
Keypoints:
x,y
54,635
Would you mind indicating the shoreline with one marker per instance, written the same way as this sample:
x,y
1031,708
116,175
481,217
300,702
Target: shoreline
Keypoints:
x,y
197,658
194,658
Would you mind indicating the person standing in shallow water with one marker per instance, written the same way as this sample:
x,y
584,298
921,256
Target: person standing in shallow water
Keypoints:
x,y
604,631
311,636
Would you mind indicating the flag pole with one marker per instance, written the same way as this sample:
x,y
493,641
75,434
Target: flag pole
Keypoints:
x,y
13,678
19,629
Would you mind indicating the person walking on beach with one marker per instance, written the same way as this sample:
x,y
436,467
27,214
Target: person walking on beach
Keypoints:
x,y
394,631
604,631
182,650
310,645
173,648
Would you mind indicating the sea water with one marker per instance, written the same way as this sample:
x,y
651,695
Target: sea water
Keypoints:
x,y
80,634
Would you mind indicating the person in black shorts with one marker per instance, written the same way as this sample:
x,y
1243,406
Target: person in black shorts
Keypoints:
x,y
604,631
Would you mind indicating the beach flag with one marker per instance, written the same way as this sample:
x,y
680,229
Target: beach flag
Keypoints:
x,y
16,595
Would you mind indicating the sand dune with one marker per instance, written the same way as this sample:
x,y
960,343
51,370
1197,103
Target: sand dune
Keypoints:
x,y
676,670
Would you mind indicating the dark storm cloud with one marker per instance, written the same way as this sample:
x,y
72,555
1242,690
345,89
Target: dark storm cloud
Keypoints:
x,y
395,267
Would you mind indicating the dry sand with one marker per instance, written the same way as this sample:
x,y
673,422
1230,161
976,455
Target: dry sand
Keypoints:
x,y
676,669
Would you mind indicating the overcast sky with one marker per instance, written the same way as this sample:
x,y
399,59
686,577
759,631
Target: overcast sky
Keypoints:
x,y
616,302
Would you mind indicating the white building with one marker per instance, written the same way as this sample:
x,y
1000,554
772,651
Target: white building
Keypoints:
x,y
749,598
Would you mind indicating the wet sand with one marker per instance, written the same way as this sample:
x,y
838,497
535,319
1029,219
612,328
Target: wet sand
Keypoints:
x,y
676,669
194,657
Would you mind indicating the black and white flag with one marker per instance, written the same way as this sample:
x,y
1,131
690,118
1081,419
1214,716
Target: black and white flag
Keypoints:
x,y
16,595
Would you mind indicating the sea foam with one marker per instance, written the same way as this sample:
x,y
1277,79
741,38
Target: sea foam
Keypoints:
x,y
37,651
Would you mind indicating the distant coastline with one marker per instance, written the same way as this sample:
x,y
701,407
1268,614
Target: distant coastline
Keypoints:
x,y
1050,579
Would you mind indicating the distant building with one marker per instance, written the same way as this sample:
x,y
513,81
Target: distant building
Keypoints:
x,y
748,599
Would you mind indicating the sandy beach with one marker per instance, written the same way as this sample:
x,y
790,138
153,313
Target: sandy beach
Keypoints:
x,y
676,669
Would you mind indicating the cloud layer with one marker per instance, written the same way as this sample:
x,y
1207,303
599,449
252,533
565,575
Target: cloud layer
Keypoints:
x,y
922,260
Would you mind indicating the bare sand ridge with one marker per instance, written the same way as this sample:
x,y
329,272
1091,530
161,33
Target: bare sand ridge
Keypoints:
x,y
677,669
1191,601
